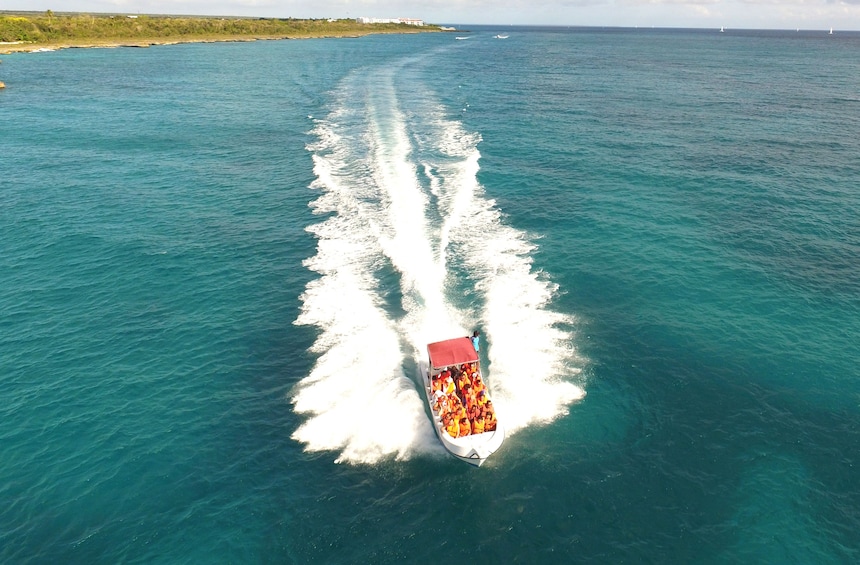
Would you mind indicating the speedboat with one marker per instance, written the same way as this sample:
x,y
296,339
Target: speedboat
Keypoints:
x,y
450,361
500,36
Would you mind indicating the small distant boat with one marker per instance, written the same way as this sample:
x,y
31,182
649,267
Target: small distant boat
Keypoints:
x,y
500,36
722,29
831,31
461,37
451,362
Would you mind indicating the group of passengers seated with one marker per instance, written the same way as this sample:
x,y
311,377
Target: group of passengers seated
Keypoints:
x,y
460,398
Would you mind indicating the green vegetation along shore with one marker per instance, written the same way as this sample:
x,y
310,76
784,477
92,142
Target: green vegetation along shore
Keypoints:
x,y
28,31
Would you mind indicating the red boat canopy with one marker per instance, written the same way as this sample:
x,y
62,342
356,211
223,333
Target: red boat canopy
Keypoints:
x,y
451,352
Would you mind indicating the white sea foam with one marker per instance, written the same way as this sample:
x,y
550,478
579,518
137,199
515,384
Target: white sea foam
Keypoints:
x,y
398,200
532,357
359,401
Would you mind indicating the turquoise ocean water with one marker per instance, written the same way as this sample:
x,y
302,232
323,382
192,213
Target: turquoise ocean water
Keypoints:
x,y
219,266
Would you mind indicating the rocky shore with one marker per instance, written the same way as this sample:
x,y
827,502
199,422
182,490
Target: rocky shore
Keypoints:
x,y
26,47
48,32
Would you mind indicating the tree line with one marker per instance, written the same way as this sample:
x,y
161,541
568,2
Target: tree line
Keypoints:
x,y
51,28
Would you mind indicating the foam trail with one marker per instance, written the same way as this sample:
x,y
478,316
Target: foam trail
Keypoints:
x,y
408,240
403,199
359,400
532,359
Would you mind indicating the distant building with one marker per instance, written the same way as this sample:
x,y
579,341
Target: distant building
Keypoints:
x,y
408,21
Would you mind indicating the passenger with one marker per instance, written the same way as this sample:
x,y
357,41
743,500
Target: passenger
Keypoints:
x,y
451,405
450,388
440,401
490,423
490,418
465,427
448,407
478,384
463,381
476,340
460,412
482,398
451,426
436,383
478,425
472,402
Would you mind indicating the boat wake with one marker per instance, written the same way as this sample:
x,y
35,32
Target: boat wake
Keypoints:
x,y
411,251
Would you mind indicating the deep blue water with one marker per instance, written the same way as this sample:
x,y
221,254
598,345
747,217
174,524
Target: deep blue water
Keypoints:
x,y
219,266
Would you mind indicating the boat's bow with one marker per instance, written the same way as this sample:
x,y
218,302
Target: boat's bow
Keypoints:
x,y
461,403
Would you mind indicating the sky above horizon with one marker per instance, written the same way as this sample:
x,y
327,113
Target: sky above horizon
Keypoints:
x,y
748,14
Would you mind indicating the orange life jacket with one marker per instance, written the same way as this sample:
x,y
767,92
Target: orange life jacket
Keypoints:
x,y
465,428
490,423
453,429
478,426
462,381
471,400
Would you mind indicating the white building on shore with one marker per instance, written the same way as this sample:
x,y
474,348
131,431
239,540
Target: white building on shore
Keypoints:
x,y
409,21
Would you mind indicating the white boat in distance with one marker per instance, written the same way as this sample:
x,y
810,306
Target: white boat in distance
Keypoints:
x,y
462,37
500,36
451,361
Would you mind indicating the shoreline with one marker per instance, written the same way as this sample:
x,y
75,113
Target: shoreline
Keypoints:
x,y
33,47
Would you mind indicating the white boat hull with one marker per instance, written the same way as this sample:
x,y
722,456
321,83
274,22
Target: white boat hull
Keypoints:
x,y
473,449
